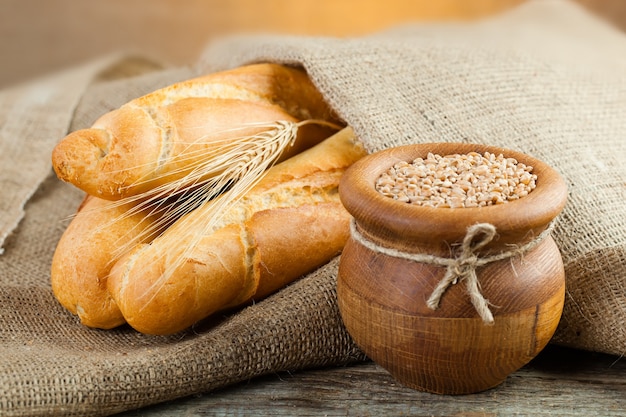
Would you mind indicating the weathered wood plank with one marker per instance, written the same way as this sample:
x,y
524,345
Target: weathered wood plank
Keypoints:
x,y
559,382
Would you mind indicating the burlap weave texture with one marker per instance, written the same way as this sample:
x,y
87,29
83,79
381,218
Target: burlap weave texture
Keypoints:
x,y
546,79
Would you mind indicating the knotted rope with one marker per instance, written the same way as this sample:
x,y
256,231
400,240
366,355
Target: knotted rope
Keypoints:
x,y
461,268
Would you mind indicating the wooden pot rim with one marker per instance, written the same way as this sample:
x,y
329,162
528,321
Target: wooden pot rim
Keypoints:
x,y
516,222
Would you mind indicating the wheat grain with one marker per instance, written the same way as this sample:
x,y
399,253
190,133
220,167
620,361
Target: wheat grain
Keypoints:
x,y
458,180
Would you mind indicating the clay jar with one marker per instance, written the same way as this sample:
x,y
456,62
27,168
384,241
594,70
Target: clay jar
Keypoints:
x,y
383,298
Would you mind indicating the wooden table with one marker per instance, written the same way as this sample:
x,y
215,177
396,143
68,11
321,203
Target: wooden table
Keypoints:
x,y
559,382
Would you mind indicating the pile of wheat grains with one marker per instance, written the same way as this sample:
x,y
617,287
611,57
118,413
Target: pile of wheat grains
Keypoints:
x,y
458,180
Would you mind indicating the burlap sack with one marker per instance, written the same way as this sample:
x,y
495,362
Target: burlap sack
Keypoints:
x,y
546,79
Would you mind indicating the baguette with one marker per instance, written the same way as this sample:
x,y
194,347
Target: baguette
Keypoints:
x,y
288,224
287,87
168,134
84,256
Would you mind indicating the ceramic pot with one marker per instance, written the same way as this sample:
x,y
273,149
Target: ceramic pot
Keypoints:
x,y
383,298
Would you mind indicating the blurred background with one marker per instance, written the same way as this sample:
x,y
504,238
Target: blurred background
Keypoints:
x,y
40,36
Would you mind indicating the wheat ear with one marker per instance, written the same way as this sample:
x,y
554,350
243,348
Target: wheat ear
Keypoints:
x,y
229,170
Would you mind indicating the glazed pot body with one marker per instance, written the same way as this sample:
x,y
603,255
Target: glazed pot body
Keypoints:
x,y
383,298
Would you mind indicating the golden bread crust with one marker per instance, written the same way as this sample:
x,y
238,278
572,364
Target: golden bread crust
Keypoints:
x,y
290,223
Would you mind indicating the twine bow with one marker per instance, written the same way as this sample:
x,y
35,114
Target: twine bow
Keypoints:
x,y
461,268
464,268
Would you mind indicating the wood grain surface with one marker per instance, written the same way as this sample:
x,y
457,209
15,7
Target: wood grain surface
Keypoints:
x,y
559,382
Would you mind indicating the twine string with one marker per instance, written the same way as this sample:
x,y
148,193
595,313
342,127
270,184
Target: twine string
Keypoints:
x,y
464,268
461,268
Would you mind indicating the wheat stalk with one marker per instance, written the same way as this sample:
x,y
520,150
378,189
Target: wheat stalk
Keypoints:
x,y
228,170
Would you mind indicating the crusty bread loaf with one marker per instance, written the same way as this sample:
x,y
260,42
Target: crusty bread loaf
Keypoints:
x,y
162,136
290,223
287,87
230,250
84,256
